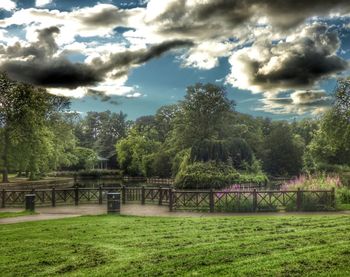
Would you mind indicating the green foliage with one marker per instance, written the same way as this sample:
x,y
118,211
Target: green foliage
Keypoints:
x,y
133,152
236,206
235,152
100,131
205,175
330,147
158,164
85,158
283,151
205,113
29,141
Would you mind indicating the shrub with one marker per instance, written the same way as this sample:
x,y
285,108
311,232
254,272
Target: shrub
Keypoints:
x,y
206,175
252,178
236,206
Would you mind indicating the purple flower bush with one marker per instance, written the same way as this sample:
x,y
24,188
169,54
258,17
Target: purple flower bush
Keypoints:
x,y
313,182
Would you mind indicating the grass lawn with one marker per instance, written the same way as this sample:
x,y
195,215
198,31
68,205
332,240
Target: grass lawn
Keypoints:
x,y
150,246
344,207
15,214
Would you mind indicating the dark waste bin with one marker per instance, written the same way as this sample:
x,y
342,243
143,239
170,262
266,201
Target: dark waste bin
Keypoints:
x,y
30,202
113,202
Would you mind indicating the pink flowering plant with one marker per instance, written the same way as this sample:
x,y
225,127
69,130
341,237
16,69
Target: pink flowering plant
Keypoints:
x,y
319,182
313,182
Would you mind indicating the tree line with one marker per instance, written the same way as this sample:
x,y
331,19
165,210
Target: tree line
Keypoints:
x,y
201,139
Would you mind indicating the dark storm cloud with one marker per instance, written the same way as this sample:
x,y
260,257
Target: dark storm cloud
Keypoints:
x,y
217,17
97,94
53,73
308,97
102,96
125,60
42,69
298,63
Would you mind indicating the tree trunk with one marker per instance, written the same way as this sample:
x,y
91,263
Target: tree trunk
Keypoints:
x,y
5,178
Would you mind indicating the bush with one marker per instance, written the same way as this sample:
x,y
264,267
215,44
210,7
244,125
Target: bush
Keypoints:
x,y
343,195
258,178
200,175
236,206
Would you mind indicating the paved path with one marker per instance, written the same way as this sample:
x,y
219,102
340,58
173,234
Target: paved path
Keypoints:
x,y
47,213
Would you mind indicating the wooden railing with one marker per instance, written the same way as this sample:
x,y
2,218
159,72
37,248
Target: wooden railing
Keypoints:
x,y
195,200
160,181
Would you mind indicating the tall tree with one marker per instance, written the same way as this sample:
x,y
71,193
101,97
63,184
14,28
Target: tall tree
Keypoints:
x,y
205,113
101,130
283,151
24,113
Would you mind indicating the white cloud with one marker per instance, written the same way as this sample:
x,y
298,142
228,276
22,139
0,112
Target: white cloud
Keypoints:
x,y
133,95
206,54
42,3
7,5
99,20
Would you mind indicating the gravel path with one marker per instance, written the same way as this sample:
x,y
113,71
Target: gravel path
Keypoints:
x,y
47,213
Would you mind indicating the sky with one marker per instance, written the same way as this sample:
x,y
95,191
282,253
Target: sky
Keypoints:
x,y
275,58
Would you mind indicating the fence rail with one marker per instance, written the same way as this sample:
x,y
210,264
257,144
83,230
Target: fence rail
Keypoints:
x,y
250,200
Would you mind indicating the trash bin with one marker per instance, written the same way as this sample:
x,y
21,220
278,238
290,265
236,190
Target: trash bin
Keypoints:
x,y
113,203
30,202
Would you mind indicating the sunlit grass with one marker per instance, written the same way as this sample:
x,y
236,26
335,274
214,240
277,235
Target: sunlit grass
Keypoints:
x,y
150,246
15,214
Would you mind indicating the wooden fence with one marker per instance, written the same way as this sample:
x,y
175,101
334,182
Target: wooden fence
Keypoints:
x,y
196,200
160,181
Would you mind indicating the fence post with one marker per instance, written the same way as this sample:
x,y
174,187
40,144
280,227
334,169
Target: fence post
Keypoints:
x,y
299,197
211,201
76,196
3,198
171,199
160,195
255,200
100,195
53,197
123,195
143,200
333,203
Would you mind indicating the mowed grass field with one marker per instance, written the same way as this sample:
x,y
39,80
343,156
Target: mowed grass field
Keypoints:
x,y
154,246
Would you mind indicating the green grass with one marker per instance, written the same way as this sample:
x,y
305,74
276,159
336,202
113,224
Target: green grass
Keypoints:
x,y
344,207
15,214
149,246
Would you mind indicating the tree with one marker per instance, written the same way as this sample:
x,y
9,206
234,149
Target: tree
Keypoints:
x,y
342,96
101,131
133,153
283,151
164,120
24,113
330,146
86,158
205,113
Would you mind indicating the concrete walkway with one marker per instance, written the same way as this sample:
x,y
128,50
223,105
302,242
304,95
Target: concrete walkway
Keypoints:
x,y
47,213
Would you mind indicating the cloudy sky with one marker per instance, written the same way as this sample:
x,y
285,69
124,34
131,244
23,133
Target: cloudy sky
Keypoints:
x,y
277,58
